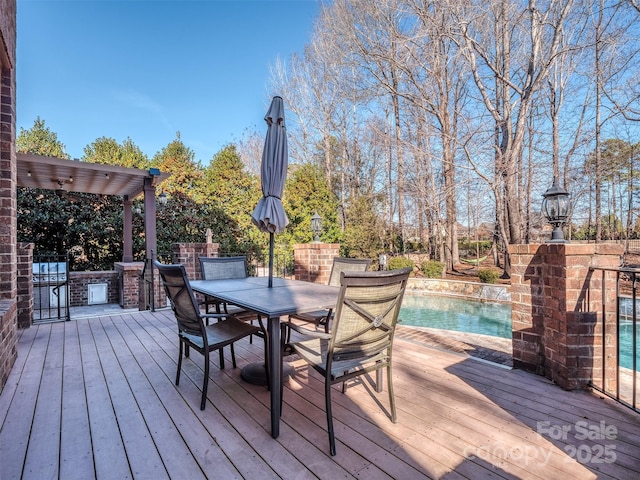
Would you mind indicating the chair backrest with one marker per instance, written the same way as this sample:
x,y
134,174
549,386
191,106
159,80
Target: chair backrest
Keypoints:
x,y
219,268
366,315
183,301
341,264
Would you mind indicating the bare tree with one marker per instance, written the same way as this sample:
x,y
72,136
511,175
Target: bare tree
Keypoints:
x,y
437,78
616,54
367,33
510,58
391,97
250,148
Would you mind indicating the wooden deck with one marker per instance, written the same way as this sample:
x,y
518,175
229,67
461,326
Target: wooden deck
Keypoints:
x,y
95,398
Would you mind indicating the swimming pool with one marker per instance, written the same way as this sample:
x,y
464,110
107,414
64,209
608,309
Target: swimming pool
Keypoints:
x,y
458,314
485,318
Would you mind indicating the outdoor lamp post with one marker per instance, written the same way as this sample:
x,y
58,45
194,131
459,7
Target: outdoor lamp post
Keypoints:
x,y
316,226
555,206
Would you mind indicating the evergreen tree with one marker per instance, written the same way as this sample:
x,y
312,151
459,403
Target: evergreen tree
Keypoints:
x,y
186,174
307,192
362,236
109,152
229,187
40,140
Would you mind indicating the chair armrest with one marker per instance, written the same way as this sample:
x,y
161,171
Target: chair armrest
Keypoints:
x,y
214,315
306,331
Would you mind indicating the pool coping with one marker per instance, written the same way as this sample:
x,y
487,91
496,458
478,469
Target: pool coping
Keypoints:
x,y
484,292
495,350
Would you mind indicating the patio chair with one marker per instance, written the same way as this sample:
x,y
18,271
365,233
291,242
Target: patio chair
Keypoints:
x,y
192,331
361,337
219,268
323,317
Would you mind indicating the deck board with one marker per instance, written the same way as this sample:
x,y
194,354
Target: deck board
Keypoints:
x,y
30,402
142,455
109,455
76,457
95,398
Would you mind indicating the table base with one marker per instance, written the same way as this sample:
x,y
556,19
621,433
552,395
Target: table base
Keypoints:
x,y
256,373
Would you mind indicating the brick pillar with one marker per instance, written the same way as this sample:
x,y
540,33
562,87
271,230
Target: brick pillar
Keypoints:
x,y
556,309
313,261
25,284
188,254
129,277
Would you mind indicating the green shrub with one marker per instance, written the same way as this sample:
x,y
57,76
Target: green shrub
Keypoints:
x,y
488,275
400,262
432,268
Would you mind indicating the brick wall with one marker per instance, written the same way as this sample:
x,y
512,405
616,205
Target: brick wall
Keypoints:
x,y
556,302
313,261
8,338
79,290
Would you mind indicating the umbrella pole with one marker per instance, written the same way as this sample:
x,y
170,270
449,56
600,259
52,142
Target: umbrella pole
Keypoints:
x,y
270,259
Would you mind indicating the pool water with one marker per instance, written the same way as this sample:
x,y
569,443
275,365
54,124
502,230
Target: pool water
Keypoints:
x,y
461,315
626,345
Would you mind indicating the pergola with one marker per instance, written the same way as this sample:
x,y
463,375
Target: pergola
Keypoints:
x,y
53,173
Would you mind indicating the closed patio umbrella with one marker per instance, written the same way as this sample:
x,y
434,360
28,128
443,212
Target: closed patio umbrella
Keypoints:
x,y
269,215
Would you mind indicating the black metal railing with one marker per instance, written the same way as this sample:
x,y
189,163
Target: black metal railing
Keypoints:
x,y
50,274
148,276
258,264
623,348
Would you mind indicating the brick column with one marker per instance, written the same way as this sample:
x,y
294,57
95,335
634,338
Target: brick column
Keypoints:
x,y
129,277
188,254
313,261
25,284
556,305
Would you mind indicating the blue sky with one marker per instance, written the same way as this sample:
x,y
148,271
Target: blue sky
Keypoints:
x,y
148,69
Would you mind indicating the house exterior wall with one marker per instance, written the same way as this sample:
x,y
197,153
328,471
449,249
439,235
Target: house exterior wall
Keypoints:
x,y
8,179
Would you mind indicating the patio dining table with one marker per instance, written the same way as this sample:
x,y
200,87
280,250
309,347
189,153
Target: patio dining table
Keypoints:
x,y
285,297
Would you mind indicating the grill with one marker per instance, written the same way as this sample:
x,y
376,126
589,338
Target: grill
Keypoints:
x,y
49,273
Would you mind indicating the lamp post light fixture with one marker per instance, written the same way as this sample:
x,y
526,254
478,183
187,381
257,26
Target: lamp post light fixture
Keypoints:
x,y
556,206
316,226
162,198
